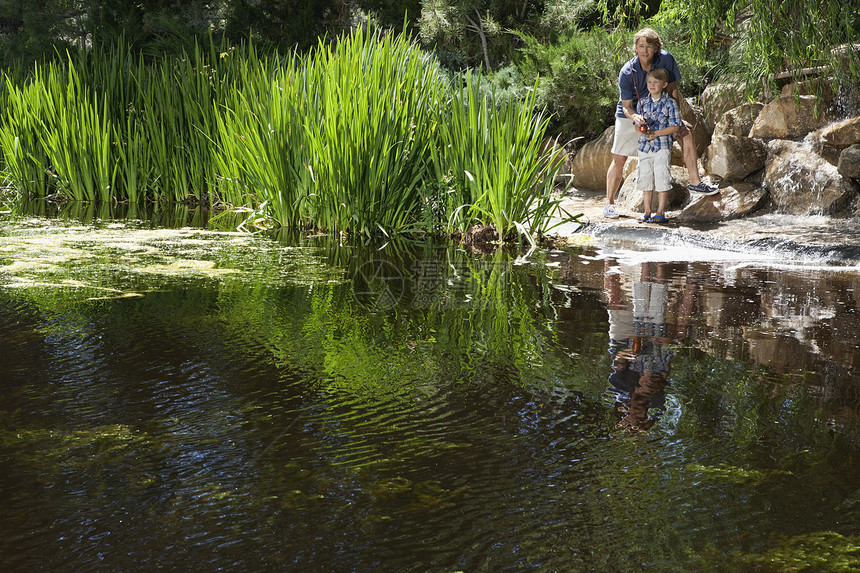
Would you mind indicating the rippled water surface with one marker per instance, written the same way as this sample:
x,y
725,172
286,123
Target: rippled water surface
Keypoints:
x,y
195,400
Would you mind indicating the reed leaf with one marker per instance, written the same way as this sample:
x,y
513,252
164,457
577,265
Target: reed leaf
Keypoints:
x,y
75,134
263,152
372,132
492,167
26,163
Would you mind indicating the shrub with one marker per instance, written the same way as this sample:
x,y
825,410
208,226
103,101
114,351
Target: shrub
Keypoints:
x,y
576,77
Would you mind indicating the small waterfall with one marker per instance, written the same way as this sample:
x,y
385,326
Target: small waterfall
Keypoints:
x,y
847,101
771,240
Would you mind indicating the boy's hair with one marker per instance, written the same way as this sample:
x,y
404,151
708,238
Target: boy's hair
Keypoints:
x,y
651,36
658,73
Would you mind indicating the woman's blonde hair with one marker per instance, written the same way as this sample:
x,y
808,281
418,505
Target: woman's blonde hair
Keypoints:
x,y
651,36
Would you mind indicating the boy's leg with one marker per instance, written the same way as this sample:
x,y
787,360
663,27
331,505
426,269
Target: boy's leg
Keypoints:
x,y
645,182
647,197
662,179
662,197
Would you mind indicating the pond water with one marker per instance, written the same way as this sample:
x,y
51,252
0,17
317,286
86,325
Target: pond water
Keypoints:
x,y
188,399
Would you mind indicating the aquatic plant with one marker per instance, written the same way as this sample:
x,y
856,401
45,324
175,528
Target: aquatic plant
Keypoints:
x,y
363,136
339,140
75,133
492,166
179,100
378,112
26,163
263,155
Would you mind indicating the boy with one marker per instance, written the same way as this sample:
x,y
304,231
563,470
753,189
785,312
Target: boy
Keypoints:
x,y
658,116
648,51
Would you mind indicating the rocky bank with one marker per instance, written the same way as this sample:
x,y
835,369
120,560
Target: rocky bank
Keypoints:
x,y
788,170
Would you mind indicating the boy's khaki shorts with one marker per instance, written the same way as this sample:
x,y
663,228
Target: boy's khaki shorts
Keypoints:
x,y
653,173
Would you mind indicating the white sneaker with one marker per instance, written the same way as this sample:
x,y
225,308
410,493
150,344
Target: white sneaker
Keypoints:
x,y
610,212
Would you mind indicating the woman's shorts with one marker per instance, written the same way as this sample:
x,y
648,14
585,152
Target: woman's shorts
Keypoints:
x,y
625,141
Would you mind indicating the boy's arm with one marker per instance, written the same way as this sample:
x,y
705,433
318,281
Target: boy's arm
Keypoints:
x,y
674,122
671,130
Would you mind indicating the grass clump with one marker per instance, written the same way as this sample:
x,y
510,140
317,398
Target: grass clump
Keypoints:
x,y
365,135
492,165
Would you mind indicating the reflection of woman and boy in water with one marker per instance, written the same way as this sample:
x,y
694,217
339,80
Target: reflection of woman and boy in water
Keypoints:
x,y
640,341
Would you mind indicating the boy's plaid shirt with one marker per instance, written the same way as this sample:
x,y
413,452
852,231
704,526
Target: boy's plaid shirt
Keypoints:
x,y
658,114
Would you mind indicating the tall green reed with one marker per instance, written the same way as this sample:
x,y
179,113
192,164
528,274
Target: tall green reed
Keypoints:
x,y
264,155
372,131
26,163
492,166
115,72
76,136
178,107
340,140
361,136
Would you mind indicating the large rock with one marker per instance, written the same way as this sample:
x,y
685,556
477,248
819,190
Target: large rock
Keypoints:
x,y
631,199
846,53
801,182
717,99
589,165
738,121
700,128
732,202
733,158
812,85
842,134
849,162
789,118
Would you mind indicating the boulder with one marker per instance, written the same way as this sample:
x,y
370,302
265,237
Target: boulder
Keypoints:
x,y
631,199
849,162
801,182
738,121
733,158
846,54
718,99
561,160
811,85
842,134
789,118
589,165
630,166
732,202
700,128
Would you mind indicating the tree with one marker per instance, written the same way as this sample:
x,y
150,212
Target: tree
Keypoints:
x,y
287,24
393,13
772,36
476,30
30,28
